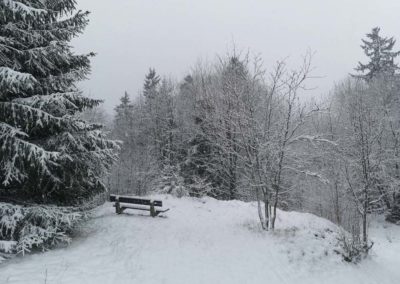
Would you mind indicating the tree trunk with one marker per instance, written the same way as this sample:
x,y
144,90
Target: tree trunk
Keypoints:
x,y
275,206
337,205
260,214
266,209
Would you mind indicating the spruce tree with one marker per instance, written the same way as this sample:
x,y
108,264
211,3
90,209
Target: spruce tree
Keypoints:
x,y
47,154
200,152
151,93
124,130
381,56
123,118
150,85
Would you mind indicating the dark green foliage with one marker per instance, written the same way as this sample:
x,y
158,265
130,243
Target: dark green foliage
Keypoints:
x,y
47,154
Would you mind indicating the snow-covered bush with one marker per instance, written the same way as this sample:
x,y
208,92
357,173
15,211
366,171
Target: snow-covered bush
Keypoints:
x,y
36,227
171,182
200,188
352,248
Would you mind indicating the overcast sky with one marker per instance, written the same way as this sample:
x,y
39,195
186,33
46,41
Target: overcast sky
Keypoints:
x,y
129,36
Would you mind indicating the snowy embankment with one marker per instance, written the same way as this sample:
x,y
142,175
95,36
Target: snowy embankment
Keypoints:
x,y
206,241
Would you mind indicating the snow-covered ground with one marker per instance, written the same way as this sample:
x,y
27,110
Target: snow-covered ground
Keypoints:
x,y
207,241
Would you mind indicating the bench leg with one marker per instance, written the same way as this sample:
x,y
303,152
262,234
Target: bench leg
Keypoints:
x,y
117,208
153,212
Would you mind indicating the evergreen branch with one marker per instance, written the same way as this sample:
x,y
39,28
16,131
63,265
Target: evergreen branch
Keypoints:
x,y
15,82
19,155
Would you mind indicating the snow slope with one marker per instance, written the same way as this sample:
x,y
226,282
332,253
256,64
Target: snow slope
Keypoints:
x,y
206,241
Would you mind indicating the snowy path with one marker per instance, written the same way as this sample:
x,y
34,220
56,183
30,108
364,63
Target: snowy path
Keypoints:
x,y
205,241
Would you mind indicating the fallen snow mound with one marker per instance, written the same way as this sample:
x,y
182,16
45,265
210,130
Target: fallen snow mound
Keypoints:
x,y
206,241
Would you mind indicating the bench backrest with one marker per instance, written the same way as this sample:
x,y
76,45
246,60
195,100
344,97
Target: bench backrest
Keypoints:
x,y
134,200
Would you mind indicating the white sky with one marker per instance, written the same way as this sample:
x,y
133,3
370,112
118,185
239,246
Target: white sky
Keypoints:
x,y
129,36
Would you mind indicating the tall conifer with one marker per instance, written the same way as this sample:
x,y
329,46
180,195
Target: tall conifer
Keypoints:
x,y
47,154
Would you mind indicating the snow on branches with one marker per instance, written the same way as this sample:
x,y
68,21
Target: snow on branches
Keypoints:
x,y
20,8
48,153
24,228
15,82
22,156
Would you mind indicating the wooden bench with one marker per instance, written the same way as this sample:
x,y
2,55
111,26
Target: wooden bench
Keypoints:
x,y
140,204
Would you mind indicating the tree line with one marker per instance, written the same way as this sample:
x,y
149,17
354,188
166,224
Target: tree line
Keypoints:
x,y
233,129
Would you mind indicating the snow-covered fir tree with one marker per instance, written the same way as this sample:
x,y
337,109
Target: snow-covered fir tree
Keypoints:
x,y
382,75
123,118
381,56
123,130
47,154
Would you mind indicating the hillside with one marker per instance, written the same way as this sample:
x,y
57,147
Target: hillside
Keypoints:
x,y
207,241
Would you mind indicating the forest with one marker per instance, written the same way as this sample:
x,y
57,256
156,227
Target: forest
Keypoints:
x,y
234,129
